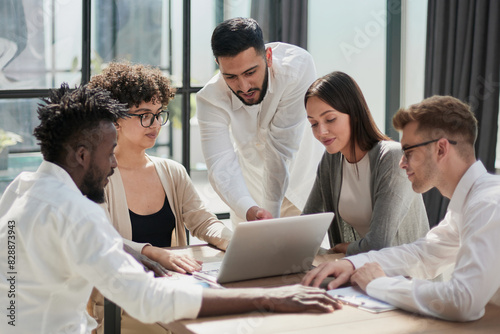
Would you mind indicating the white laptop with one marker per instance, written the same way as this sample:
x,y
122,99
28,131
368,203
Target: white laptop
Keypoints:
x,y
270,247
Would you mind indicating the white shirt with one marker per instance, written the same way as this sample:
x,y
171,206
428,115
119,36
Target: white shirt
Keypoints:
x,y
468,238
64,246
255,169
355,201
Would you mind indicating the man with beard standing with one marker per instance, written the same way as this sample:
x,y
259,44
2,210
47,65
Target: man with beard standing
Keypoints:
x,y
256,101
57,243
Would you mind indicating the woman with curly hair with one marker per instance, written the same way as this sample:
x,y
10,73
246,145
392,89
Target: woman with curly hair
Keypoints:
x,y
359,178
151,201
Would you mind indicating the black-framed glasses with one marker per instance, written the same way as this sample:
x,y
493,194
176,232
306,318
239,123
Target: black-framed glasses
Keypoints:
x,y
147,119
406,149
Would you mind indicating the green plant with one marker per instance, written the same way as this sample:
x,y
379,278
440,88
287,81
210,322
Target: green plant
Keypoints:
x,y
8,138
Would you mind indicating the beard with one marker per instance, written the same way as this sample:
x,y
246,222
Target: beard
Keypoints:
x,y
263,91
92,185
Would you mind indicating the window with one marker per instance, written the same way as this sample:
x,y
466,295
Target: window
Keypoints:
x,y
45,44
350,36
38,51
413,51
39,47
42,46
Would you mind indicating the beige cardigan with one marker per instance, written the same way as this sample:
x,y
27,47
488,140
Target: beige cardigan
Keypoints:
x,y
189,210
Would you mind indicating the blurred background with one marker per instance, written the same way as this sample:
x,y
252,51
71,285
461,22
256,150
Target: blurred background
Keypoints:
x,y
381,43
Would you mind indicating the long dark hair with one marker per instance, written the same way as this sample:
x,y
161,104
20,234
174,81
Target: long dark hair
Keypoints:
x,y
342,93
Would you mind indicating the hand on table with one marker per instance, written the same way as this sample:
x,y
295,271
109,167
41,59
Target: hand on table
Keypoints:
x,y
172,261
257,213
147,263
341,270
298,298
287,299
366,274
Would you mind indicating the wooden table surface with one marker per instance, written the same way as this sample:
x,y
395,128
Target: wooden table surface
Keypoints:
x,y
347,320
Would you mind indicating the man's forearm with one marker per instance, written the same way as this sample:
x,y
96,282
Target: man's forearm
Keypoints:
x,y
231,301
294,298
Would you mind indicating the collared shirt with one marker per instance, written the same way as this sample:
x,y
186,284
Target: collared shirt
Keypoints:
x,y
265,161
467,238
61,246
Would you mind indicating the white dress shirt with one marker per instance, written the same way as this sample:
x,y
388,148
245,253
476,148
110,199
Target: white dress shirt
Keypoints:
x,y
467,238
265,162
64,246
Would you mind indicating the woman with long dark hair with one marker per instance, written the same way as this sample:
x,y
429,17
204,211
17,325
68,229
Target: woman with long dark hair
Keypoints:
x,y
359,178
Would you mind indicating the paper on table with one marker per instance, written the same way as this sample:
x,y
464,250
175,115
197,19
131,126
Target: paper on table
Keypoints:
x,y
181,279
354,296
207,279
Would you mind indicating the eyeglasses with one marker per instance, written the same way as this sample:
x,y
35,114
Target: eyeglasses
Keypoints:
x,y
406,149
147,119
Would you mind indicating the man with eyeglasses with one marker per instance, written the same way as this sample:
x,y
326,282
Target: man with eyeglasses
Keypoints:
x,y
438,145
261,156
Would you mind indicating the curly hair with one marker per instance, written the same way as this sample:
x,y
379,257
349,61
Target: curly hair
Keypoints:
x,y
70,118
133,84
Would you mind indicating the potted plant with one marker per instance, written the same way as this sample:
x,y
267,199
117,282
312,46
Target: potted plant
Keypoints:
x,y
7,139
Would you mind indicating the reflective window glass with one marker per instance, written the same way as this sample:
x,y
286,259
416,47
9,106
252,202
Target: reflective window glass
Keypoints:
x,y
413,51
137,31
19,116
350,36
40,43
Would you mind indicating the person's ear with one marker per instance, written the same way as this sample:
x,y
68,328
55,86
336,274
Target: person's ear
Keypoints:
x,y
82,156
443,148
269,57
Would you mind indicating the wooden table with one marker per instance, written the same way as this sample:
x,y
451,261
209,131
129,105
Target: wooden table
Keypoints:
x,y
347,320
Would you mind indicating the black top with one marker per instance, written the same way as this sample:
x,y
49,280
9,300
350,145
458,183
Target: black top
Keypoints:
x,y
156,228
